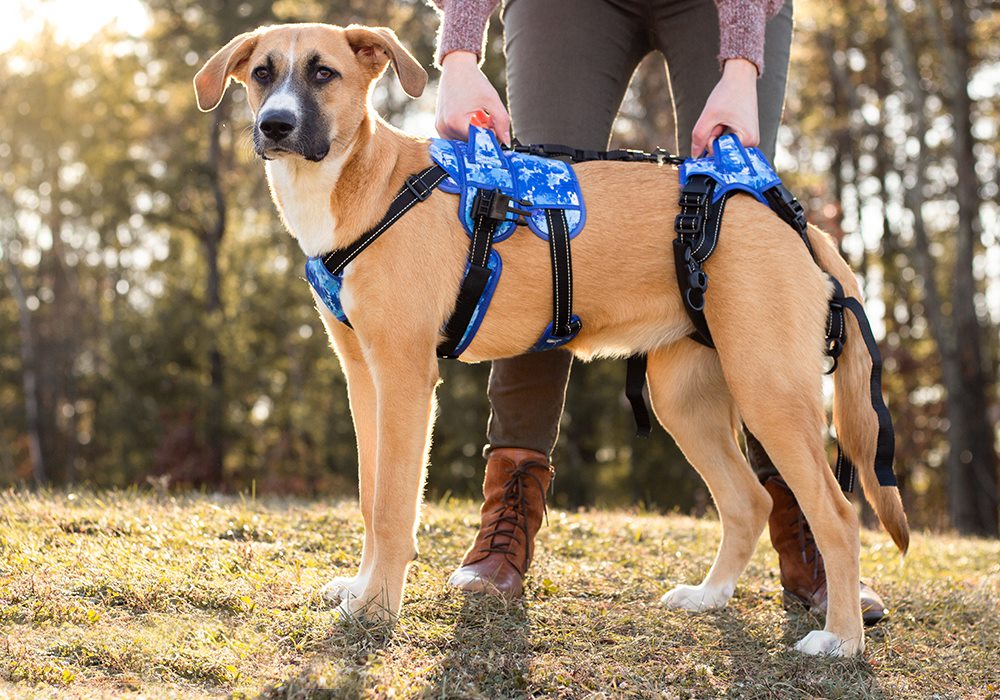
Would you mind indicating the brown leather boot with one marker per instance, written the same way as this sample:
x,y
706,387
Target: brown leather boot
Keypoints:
x,y
514,490
803,575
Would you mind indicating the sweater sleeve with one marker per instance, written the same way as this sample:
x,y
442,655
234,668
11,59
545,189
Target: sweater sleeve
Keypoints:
x,y
741,29
463,26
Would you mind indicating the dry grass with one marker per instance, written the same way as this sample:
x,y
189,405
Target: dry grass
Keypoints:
x,y
126,594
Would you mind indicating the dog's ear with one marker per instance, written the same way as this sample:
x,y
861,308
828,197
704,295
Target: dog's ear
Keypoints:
x,y
374,47
229,61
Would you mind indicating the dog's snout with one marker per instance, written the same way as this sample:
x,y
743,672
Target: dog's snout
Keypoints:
x,y
277,125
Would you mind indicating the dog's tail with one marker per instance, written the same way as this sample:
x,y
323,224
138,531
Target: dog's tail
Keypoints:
x,y
853,415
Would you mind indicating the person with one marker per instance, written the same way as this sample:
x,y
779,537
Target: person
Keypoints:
x,y
569,63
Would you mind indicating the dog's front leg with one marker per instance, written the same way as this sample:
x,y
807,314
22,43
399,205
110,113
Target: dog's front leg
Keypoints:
x,y
361,394
405,375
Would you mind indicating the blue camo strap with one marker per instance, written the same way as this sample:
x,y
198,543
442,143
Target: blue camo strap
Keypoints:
x,y
539,184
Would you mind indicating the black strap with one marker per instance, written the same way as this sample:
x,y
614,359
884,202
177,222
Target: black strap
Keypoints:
x,y
787,207
697,227
885,446
844,471
635,382
417,188
581,155
477,275
836,330
563,323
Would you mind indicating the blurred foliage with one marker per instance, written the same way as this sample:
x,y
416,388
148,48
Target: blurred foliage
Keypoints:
x,y
153,309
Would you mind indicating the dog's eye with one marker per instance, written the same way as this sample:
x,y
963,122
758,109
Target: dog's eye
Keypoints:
x,y
261,74
324,74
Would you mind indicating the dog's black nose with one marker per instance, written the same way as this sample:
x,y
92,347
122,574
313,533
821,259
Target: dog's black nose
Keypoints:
x,y
277,125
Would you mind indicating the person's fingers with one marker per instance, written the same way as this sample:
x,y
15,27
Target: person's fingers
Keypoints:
x,y
717,131
749,137
501,123
705,132
700,136
456,125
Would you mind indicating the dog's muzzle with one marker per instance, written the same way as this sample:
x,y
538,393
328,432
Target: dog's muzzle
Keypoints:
x,y
278,132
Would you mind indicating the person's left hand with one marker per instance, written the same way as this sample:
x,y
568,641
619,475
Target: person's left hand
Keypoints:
x,y
732,105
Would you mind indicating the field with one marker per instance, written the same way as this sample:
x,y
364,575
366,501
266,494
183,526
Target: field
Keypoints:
x,y
130,594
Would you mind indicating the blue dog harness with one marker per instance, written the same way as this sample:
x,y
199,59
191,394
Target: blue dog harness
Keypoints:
x,y
706,185
500,189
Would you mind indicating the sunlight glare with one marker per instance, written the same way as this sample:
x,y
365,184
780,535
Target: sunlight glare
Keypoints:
x,y
74,21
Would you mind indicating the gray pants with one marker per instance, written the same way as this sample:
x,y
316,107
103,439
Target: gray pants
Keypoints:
x,y
569,63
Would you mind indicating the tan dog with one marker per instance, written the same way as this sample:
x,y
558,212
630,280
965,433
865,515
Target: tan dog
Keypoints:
x,y
334,166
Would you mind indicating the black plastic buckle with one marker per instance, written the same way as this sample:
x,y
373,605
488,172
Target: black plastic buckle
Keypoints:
x,y
692,199
688,223
411,181
788,208
695,192
628,155
494,204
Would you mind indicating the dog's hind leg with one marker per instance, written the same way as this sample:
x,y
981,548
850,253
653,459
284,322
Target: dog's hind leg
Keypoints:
x,y
768,327
361,394
405,374
692,402
790,424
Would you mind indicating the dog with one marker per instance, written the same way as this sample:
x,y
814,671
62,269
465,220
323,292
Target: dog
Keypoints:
x,y
334,165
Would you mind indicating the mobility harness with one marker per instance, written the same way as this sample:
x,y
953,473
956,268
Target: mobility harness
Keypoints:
x,y
500,189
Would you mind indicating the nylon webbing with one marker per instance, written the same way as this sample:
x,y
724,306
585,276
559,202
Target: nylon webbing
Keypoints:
x,y
885,444
477,276
582,155
562,272
635,382
416,189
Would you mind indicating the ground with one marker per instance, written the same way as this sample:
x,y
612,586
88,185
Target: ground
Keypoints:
x,y
141,594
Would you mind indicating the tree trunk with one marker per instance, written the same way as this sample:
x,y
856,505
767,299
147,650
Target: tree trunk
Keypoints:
x,y
976,461
211,242
972,485
29,379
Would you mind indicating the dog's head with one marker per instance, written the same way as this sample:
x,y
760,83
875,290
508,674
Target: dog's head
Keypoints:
x,y
307,84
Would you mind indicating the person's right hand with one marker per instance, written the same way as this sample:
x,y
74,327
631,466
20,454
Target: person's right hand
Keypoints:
x,y
464,90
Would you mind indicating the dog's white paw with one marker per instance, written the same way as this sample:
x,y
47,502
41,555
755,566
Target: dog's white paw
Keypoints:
x,y
342,588
696,598
365,609
822,643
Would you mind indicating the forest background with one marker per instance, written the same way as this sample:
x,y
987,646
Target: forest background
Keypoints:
x,y
155,326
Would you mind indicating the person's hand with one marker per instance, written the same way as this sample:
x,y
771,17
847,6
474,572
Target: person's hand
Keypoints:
x,y
732,105
462,92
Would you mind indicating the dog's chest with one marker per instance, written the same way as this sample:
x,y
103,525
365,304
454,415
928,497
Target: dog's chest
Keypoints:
x,y
302,195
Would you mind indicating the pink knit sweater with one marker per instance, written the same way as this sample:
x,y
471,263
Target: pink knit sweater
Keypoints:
x,y
741,27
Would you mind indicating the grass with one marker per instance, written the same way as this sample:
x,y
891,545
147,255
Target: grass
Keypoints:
x,y
129,594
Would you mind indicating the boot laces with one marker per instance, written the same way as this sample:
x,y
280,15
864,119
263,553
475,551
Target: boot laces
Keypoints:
x,y
512,511
807,545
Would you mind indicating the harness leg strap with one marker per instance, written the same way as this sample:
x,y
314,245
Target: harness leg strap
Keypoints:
x,y
562,274
635,382
477,276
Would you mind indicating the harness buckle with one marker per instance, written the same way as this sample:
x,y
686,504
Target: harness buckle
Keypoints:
x,y
693,199
788,208
695,192
688,223
411,183
494,204
628,155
